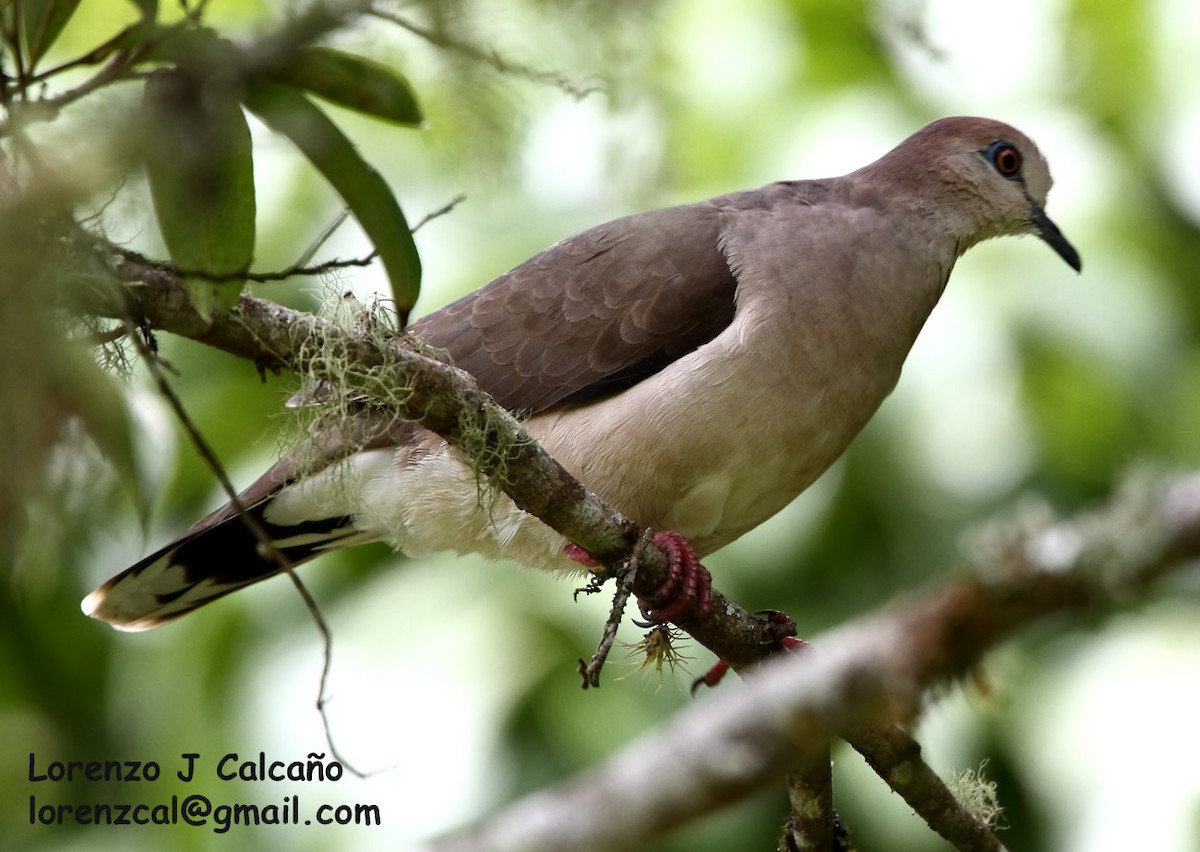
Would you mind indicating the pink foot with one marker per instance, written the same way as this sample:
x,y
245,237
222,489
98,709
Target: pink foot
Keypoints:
x,y
688,587
712,677
720,668
577,554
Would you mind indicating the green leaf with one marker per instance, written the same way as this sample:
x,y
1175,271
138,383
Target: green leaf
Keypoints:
x,y
149,9
352,82
287,111
192,47
41,23
199,161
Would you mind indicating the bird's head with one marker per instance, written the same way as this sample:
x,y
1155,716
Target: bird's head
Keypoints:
x,y
983,178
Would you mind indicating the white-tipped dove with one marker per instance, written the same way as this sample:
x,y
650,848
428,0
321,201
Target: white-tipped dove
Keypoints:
x,y
696,366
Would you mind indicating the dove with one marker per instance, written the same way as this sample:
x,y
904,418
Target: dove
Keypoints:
x,y
696,366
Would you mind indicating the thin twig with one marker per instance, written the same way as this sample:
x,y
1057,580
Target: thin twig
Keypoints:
x,y
260,533
258,277
323,697
297,270
624,583
13,37
93,57
150,358
578,89
291,272
47,109
440,211
315,246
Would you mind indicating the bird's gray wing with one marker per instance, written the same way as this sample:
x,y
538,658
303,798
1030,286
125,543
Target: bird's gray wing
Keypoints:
x,y
595,313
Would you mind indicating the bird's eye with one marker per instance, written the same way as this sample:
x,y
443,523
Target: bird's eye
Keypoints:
x,y
1005,159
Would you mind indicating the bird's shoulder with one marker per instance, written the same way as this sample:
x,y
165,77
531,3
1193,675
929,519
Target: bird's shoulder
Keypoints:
x,y
595,312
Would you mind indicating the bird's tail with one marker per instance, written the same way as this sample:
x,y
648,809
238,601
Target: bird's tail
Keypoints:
x,y
220,554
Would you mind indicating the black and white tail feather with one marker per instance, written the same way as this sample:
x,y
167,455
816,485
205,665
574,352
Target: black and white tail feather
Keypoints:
x,y
220,553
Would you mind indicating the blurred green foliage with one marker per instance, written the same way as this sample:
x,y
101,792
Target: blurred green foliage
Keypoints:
x,y
1027,382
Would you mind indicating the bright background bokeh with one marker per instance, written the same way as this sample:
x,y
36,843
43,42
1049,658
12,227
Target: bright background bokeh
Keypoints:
x,y
1030,387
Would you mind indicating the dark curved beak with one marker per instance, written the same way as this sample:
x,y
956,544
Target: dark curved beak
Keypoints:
x,y
1053,237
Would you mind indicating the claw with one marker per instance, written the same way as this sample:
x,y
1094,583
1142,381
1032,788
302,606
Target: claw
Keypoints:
x,y
711,677
780,626
720,668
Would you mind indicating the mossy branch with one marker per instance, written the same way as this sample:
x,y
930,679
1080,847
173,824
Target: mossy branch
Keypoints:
x,y
874,670
1067,567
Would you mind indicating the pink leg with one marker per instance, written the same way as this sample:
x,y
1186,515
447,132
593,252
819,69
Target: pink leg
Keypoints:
x,y
577,554
712,677
720,668
687,589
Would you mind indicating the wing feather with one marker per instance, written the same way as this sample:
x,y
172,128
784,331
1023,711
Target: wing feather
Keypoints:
x,y
595,313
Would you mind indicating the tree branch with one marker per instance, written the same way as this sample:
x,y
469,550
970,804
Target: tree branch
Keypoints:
x,y
870,672
812,825
448,402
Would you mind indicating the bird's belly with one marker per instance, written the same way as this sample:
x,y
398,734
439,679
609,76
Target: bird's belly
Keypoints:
x,y
714,466
711,463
